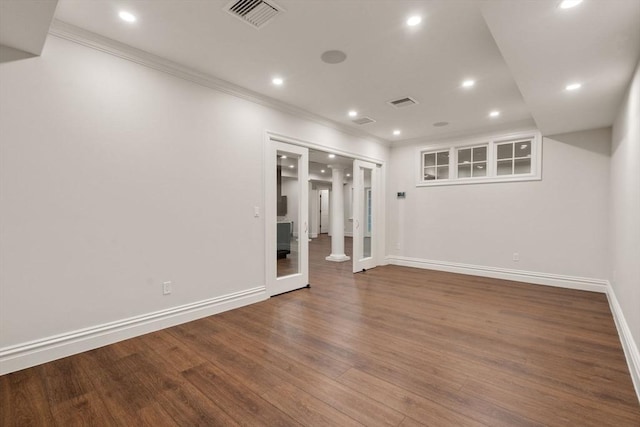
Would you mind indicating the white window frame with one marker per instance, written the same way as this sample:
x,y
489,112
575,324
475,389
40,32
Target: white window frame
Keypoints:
x,y
456,163
423,167
490,142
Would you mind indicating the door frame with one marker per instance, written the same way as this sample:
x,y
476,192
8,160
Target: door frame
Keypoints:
x,y
270,193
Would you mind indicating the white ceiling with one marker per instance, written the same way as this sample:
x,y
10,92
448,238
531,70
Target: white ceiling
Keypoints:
x,y
538,49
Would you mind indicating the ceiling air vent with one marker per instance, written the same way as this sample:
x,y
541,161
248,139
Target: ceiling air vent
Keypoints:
x,y
256,13
363,120
403,102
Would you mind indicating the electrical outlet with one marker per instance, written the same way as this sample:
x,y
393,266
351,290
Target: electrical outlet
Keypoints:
x,y
516,256
166,288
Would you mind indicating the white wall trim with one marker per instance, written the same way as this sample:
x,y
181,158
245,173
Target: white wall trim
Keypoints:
x,y
629,345
95,41
538,278
25,355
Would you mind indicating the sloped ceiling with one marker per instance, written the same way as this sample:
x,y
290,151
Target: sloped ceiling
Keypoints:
x,y
596,44
24,25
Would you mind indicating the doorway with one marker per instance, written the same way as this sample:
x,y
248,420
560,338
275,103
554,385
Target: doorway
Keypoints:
x,y
298,211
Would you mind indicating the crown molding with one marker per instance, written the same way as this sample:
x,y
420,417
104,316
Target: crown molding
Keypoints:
x,y
95,41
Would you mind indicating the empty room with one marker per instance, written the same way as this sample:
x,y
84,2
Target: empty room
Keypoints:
x,y
320,212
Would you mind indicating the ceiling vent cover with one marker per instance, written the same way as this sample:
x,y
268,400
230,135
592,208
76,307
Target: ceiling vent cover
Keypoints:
x,y
407,101
256,13
363,120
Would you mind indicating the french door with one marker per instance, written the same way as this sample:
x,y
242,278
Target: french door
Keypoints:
x,y
365,199
286,204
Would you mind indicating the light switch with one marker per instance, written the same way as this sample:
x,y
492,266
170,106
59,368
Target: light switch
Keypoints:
x,y
256,211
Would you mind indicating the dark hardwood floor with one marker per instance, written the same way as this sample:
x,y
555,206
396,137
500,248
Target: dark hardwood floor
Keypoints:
x,y
391,346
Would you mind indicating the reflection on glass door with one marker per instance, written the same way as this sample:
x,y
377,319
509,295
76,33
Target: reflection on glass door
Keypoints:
x,y
364,215
288,221
287,217
365,220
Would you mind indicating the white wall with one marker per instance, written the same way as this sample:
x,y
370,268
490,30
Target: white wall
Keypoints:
x,y
557,225
625,211
114,178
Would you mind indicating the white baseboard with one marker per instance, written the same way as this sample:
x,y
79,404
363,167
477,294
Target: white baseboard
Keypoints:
x,y
25,355
629,346
548,279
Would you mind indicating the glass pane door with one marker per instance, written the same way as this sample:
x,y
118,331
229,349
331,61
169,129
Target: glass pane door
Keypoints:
x,y
287,217
288,220
364,213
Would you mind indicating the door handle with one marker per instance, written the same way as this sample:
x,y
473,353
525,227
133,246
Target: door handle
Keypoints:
x,y
306,227
357,224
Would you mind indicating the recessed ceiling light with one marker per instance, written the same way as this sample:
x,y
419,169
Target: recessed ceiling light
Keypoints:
x,y
468,83
568,4
127,16
573,86
494,113
283,157
353,113
348,174
291,166
321,170
332,156
278,81
397,132
414,20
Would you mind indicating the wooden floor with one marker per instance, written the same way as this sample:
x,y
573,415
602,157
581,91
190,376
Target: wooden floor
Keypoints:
x,y
391,346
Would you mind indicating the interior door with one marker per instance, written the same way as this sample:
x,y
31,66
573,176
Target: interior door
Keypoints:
x,y
287,217
365,194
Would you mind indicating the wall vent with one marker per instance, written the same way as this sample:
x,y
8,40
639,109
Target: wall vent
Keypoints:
x,y
363,120
256,13
402,102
